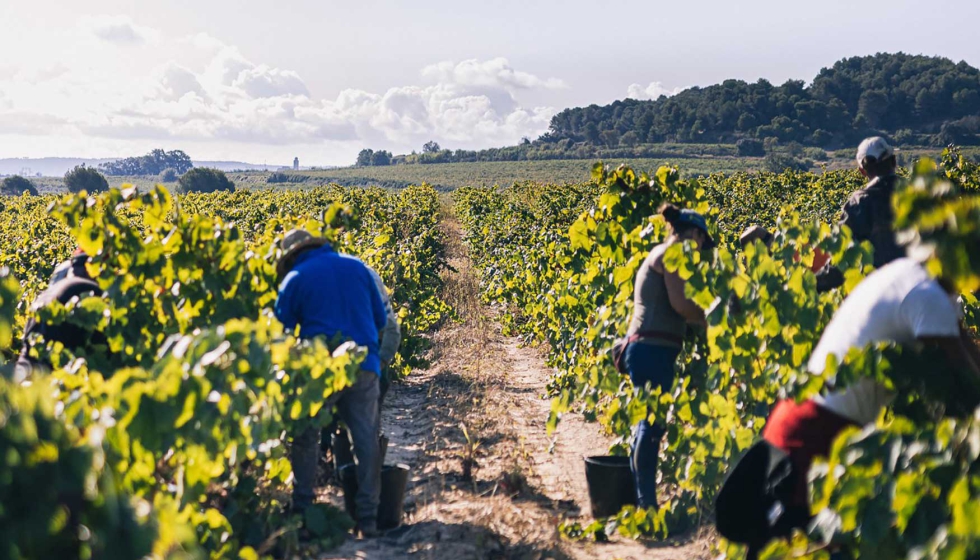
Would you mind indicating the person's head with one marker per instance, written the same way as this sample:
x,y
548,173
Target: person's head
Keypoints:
x,y
687,224
876,158
72,268
293,244
755,233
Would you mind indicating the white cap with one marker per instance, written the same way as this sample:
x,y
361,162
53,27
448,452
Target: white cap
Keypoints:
x,y
875,147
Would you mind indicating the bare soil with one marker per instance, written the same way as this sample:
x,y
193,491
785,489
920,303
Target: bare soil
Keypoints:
x,y
487,482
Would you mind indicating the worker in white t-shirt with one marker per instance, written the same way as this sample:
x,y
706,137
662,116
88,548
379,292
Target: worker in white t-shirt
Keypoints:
x,y
898,303
902,304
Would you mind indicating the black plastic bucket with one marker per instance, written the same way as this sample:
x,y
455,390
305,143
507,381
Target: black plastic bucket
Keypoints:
x,y
394,480
611,484
342,453
348,481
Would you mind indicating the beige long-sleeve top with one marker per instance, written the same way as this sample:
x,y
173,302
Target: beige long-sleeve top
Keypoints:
x,y
391,335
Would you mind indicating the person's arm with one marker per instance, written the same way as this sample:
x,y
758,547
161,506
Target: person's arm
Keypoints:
x,y
854,218
377,304
962,353
391,335
285,307
971,345
391,339
683,306
828,278
957,350
961,356
934,320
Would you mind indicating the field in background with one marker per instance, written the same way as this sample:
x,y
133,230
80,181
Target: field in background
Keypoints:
x,y
450,176
443,176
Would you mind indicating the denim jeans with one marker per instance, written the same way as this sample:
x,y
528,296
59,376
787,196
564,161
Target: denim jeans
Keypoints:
x,y
357,406
651,364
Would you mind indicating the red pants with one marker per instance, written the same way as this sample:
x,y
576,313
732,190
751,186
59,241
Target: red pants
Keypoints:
x,y
804,430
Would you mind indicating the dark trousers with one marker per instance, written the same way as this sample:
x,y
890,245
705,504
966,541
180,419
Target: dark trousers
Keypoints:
x,y
651,364
357,406
335,439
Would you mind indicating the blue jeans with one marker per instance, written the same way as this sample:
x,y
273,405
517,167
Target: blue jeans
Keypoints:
x,y
651,364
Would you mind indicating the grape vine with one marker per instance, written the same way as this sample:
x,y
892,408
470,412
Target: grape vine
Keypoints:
x,y
562,260
176,436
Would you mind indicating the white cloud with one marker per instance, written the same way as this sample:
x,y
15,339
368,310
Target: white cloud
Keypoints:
x,y
174,81
226,64
200,91
408,116
263,81
652,91
119,30
496,72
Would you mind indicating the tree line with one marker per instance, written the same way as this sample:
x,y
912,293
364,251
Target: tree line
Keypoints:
x,y
90,180
157,162
565,150
912,99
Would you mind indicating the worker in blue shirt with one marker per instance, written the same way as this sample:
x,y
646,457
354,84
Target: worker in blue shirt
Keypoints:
x,y
327,294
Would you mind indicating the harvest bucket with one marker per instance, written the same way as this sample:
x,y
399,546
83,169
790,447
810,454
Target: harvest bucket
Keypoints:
x,y
394,480
611,484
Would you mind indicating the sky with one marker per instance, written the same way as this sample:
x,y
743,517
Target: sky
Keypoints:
x,y
264,82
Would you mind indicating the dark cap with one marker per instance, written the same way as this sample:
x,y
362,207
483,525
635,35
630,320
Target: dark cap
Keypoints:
x,y
692,218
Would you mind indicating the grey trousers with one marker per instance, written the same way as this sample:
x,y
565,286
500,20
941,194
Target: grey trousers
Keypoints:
x,y
358,408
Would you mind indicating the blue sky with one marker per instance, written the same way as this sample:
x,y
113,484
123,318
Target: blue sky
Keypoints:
x,y
263,81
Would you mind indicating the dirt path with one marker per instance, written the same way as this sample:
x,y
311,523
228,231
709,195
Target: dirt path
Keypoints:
x,y
481,407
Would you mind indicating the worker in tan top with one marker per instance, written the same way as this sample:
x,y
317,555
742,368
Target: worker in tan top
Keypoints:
x,y
661,313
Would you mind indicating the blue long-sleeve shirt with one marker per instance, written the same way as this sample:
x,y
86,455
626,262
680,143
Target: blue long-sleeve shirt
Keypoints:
x,y
327,293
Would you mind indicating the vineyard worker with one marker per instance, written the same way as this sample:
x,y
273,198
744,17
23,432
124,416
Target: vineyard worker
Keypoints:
x,y
391,334
661,312
335,296
755,233
70,280
819,267
868,211
391,337
898,303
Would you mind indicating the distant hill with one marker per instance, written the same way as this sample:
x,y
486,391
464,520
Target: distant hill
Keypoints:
x,y
237,165
919,101
47,167
57,166
913,99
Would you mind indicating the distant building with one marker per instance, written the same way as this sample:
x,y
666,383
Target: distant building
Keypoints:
x,y
295,164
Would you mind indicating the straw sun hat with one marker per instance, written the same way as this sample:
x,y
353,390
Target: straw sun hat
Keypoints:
x,y
294,243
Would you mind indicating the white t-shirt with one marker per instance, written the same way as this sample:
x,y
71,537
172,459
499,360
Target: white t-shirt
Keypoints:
x,y
900,303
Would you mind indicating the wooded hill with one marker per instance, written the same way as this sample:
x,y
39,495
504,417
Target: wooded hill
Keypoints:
x,y
918,100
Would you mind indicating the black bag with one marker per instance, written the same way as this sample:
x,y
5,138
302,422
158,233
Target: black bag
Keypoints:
x,y
618,354
754,503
